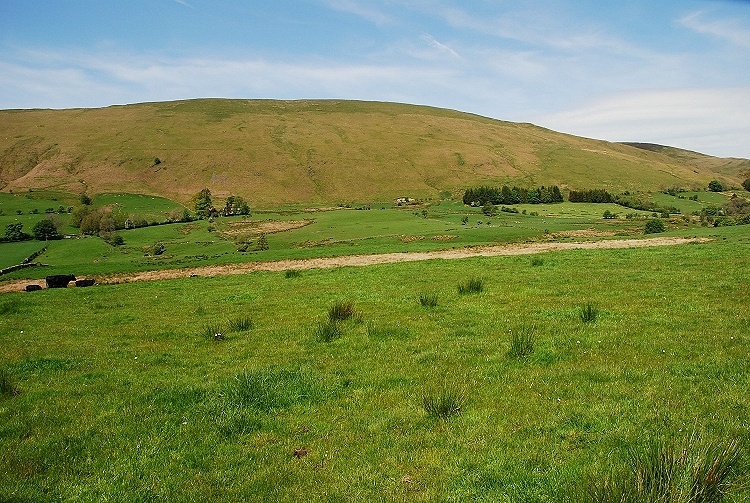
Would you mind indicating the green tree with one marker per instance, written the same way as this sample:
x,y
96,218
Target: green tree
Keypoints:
x,y
14,232
262,243
715,186
203,205
45,229
489,209
654,226
746,185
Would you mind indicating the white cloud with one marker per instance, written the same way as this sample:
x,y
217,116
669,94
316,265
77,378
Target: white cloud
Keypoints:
x,y
724,29
712,121
440,47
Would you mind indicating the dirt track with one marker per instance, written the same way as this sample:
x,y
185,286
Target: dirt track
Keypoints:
x,y
364,260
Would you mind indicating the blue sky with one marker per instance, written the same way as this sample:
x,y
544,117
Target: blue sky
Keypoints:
x,y
670,72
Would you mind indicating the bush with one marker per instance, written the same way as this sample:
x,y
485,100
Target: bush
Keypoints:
x,y
340,311
443,402
522,342
654,226
715,186
158,248
475,285
588,313
692,471
428,299
746,184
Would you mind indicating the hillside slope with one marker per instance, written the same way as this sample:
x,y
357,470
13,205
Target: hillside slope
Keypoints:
x,y
278,152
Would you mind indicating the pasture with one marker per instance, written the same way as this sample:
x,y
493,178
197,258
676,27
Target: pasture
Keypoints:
x,y
224,389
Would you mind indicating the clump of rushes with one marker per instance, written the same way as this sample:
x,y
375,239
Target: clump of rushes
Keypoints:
x,y
8,386
444,401
588,313
329,330
475,285
292,273
428,299
215,332
340,311
522,342
692,471
241,324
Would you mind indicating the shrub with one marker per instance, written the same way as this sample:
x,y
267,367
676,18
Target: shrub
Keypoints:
x,y
474,285
746,184
158,248
443,402
654,226
262,243
340,311
8,386
241,324
522,342
329,330
715,186
292,273
692,471
588,312
428,299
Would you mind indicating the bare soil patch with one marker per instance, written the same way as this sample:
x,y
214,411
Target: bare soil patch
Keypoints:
x,y
365,260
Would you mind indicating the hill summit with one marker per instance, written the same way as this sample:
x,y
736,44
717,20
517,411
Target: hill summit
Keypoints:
x,y
320,152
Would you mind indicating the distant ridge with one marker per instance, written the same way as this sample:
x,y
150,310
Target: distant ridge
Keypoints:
x,y
320,152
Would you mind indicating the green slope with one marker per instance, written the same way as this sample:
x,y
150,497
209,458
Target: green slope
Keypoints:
x,y
317,152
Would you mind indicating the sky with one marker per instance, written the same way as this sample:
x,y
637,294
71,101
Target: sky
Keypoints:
x,y
672,72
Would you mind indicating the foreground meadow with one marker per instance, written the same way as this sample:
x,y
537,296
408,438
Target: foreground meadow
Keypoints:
x,y
242,389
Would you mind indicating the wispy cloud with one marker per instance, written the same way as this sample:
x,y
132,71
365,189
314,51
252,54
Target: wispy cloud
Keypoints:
x,y
439,46
362,10
183,2
725,29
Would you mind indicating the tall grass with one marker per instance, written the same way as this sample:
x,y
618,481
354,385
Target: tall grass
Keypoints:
x,y
340,311
444,401
8,386
428,299
588,312
522,342
328,330
692,471
475,285
240,324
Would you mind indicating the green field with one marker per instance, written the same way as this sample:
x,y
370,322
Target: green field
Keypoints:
x,y
125,394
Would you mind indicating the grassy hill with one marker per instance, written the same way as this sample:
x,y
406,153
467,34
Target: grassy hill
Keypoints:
x,y
318,152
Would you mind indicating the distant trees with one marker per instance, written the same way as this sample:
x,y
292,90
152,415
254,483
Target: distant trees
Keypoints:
x,y
235,205
203,206
591,196
654,226
479,196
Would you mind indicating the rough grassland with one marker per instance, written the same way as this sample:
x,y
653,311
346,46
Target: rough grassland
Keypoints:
x,y
317,152
123,396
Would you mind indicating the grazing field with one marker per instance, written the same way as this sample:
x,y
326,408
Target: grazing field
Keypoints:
x,y
526,378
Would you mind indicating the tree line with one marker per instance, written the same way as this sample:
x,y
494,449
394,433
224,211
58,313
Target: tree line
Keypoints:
x,y
479,196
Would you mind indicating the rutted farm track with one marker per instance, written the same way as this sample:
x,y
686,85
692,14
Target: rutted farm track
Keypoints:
x,y
365,260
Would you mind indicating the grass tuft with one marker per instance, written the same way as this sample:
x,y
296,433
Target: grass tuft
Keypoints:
x,y
694,471
475,285
8,386
428,299
444,402
537,261
292,273
522,342
329,330
241,324
268,390
340,311
588,313
214,332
